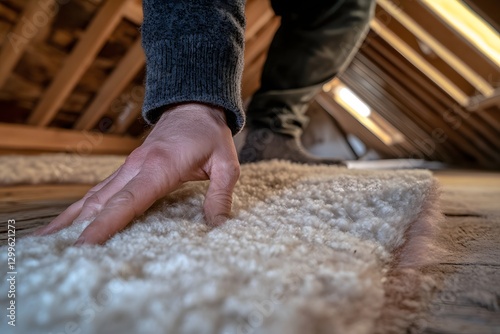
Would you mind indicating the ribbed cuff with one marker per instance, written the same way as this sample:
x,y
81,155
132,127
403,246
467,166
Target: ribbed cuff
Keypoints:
x,y
191,69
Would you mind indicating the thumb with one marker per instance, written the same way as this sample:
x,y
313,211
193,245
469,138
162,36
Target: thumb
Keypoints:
x,y
217,206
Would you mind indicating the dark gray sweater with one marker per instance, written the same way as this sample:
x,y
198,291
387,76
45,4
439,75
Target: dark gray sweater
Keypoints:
x,y
194,52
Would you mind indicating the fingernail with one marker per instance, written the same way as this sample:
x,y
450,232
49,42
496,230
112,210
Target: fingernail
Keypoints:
x,y
219,220
79,242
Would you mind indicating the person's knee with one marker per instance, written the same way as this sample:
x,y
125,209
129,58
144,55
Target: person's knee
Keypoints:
x,y
313,13
367,8
358,11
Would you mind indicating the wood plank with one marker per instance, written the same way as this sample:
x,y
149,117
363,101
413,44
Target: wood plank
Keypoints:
x,y
126,70
255,57
470,192
261,42
29,226
78,62
472,27
368,122
466,300
251,76
28,219
360,79
33,206
472,239
258,13
352,125
19,38
408,82
385,49
23,137
468,277
41,192
481,136
418,111
430,57
383,85
482,102
453,60
23,212
452,40
433,92
487,9
447,111
489,119
404,49
133,12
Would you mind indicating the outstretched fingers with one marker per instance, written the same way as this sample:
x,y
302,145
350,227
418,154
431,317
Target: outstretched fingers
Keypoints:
x,y
94,203
67,217
130,202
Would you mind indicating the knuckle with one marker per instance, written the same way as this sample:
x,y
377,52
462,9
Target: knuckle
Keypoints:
x,y
135,157
92,191
93,201
231,169
124,197
156,151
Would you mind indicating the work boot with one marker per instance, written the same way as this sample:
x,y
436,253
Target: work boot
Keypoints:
x,y
264,144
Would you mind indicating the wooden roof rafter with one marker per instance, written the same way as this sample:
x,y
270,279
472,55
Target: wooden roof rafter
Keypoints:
x,y
19,39
402,47
124,72
78,62
427,103
481,84
22,137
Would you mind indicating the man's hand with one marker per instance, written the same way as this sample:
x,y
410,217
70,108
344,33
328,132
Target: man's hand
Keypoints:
x,y
190,142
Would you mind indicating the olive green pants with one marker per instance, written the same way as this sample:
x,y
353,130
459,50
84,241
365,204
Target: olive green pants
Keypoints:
x,y
316,39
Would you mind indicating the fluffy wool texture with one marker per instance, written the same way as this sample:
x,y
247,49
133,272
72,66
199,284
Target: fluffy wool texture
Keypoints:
x,y
56,168
310,249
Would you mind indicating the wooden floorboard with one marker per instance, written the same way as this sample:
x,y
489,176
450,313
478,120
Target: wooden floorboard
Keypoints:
x,y
32,206
468,294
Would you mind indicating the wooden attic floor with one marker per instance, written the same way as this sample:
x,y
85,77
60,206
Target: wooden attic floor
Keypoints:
x,y
469,296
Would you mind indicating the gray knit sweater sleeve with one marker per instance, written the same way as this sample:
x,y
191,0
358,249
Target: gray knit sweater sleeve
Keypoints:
x,y
194,52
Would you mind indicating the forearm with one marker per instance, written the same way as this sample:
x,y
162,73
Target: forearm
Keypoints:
x,y
194,52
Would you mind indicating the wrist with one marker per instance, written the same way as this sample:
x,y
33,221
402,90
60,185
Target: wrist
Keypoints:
x,y
194,112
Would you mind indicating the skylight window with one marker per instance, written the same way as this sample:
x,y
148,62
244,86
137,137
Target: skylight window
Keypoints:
x,y
362,112
349,97
469,24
